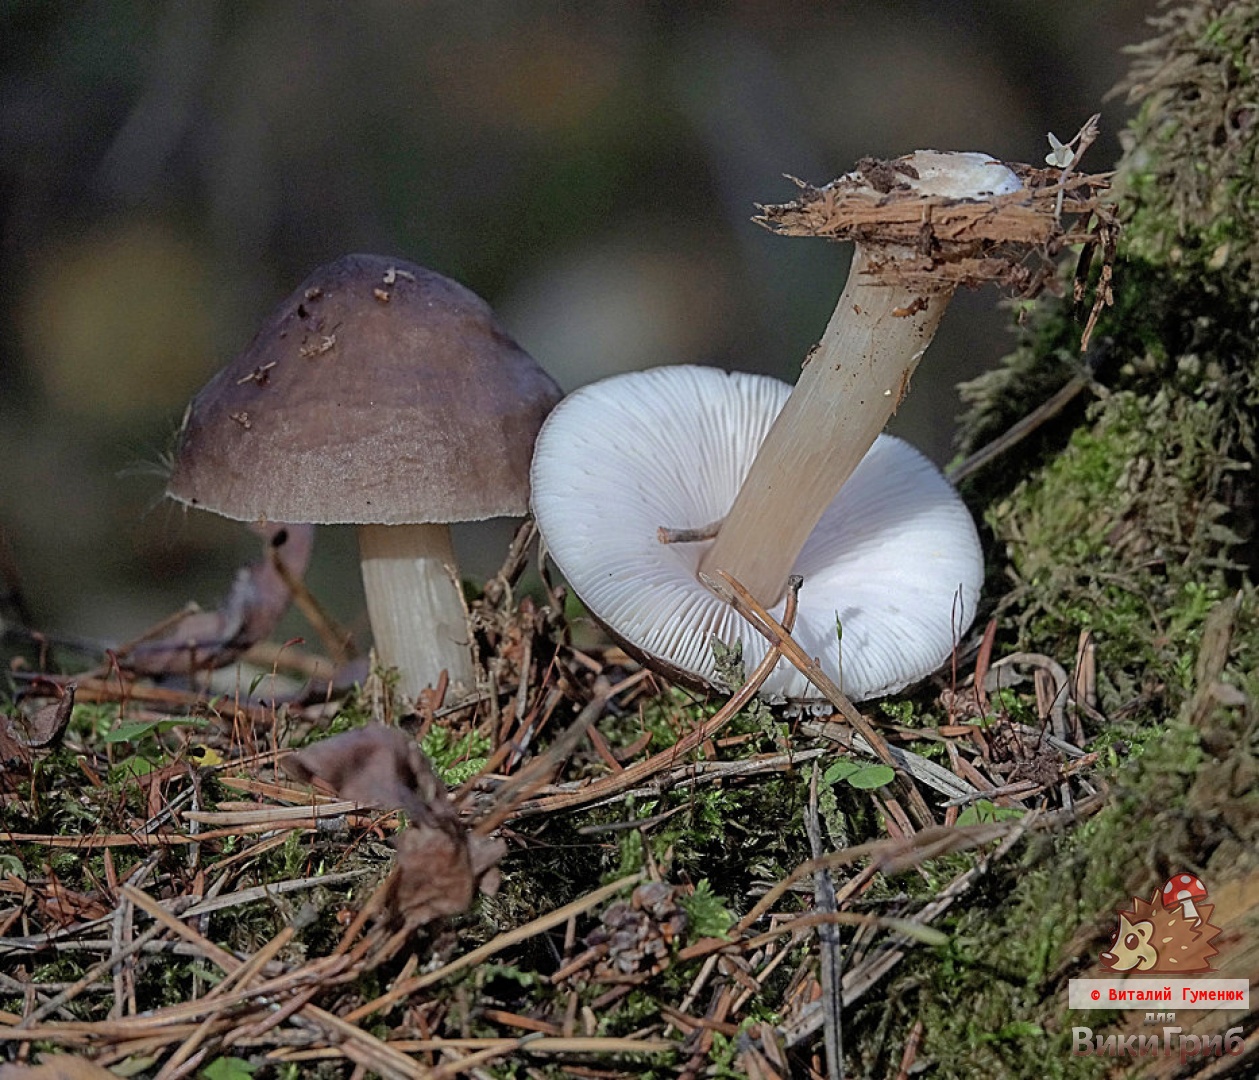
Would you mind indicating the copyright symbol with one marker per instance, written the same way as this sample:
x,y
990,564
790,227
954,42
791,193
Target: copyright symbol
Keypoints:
x,y
1096,995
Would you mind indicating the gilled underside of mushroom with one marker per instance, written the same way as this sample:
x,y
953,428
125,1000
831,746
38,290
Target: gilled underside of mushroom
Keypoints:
x,y
895,561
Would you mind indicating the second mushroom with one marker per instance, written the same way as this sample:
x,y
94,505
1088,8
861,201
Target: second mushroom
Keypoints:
x,y
798,481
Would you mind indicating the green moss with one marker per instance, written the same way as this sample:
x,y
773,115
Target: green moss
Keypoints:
x,y
993,1000
1191,179
1132,515
1117,536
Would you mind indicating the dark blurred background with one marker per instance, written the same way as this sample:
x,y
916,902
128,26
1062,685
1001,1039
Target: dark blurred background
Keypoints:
x,y
170,171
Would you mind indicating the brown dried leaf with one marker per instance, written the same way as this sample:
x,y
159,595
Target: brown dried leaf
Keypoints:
x,y
259,597
44,726
37,728
439,870
440,865
376,766
11,751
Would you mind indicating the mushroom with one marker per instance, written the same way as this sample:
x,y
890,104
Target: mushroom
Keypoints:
x,y
891,573
787,487
857,375
383,395
1184,889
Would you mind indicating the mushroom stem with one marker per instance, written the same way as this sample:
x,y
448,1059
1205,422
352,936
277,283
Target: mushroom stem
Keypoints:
x,y
849,387
418,618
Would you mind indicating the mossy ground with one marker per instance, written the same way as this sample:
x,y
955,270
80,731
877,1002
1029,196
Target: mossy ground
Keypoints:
x,y
1131,517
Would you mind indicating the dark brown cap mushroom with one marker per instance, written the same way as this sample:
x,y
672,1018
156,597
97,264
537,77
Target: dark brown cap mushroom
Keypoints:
x,y
383,395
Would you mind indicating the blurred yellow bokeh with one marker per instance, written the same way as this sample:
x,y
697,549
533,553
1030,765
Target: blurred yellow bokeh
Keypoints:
x,y
117,323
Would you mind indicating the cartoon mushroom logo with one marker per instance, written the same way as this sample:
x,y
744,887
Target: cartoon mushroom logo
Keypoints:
x,y
383,395
1184,889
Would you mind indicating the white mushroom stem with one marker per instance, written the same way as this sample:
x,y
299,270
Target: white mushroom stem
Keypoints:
x,y
418,618
849,387
852,383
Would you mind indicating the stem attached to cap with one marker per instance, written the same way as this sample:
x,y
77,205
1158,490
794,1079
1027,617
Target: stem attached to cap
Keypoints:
x,y
851,384
418,618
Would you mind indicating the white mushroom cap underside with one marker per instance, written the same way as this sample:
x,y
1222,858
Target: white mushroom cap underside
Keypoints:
x,y
895,557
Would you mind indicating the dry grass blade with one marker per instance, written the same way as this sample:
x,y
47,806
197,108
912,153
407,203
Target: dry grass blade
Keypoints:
x,y
832,960
315,810
365,1049
508,797
779,637
890,855
1021,429
220,957
359,1045
603,1046
480,1057
56,1067
95,972
242,976
106,840
920,768
913,928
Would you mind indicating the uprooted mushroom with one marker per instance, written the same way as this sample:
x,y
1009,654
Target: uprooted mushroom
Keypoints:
x,y
761,484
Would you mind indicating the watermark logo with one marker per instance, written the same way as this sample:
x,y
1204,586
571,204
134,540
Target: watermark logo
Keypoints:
x,y
1171,935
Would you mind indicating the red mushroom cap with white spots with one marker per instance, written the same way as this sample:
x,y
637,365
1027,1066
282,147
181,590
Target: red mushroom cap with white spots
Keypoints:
x,y
1184,889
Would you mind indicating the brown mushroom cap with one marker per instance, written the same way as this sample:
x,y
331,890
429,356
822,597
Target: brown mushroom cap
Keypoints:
x,y
379,392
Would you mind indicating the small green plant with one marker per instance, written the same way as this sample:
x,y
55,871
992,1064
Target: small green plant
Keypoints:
x,y
857,775
707,912
456,760
143,738
982,812
229,1068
